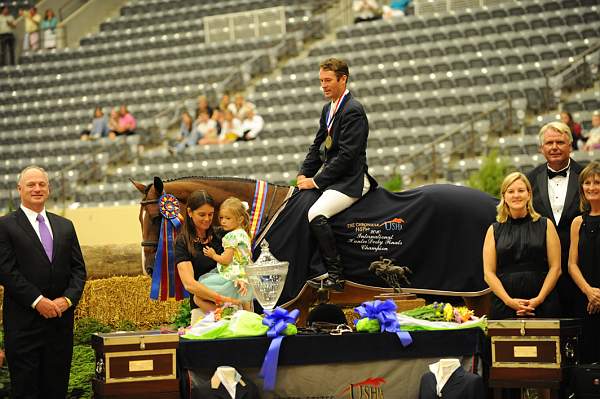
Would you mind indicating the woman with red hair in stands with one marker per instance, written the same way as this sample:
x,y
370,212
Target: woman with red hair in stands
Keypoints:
x,y
575,127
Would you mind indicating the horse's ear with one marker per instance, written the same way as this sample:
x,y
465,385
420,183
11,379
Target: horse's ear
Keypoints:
x,y
158,185
141,188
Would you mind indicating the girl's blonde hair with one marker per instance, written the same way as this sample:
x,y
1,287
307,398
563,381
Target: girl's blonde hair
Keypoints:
x,y
239,210
502,208
591,170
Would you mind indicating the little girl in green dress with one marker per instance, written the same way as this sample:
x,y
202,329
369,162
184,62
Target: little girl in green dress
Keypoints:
x,y
229,278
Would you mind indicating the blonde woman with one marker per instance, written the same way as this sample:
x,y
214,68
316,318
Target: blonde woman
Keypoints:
x,y
521,256
584,260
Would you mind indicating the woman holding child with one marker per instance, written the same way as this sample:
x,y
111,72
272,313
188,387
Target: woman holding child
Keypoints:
x,y
196,234
521,256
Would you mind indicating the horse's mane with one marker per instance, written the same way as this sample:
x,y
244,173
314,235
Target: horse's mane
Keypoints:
x,y
218,178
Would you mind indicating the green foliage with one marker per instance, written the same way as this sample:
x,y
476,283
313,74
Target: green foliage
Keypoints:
x,y
394,184
82,371
490,176
85,327
184,314
126,325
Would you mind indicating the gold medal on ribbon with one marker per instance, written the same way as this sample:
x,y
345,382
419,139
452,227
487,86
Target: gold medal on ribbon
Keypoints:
x,y
328,142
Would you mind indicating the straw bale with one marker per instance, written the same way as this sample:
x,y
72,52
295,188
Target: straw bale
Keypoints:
x,y
124,298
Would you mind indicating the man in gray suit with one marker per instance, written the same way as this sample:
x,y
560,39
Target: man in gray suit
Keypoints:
x,y
556,196
43,274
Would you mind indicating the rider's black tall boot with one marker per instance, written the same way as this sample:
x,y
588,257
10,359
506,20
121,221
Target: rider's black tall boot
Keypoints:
x,y
321,230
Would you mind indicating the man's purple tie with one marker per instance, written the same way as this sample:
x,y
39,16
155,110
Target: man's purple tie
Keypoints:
x,y
45,236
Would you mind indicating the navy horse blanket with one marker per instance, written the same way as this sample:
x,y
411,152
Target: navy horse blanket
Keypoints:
x,y
436,230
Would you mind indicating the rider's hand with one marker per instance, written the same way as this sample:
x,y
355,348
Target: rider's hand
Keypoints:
x,y
306,184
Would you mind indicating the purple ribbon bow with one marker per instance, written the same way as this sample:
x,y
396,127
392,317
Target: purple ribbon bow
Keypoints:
x,y
277,321
385,313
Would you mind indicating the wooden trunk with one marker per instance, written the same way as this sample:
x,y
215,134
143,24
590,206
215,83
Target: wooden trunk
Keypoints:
x,y
532,352
138,364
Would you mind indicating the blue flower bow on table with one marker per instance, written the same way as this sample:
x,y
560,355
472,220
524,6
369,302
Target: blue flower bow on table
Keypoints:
x,y
382,313
278,321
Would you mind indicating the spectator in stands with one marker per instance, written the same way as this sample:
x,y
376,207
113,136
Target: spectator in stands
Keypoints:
x,y
31,40
252,125
126,125
230,131
7,37
186,132
366,10
203,107
98,128
224,103
113,123
240,106
49,29
555,196
218,117
396,8
575,127
593,136
205,127
521,256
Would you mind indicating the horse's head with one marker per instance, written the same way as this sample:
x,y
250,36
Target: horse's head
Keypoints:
x,y
219,189
150,219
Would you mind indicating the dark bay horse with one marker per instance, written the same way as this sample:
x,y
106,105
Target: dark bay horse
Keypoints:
x,y
439,230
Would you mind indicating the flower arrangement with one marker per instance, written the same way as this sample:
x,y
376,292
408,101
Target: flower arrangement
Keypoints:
x,y
440,311
225,311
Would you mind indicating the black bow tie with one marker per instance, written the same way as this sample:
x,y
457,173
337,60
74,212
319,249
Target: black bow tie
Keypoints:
x,y
552,174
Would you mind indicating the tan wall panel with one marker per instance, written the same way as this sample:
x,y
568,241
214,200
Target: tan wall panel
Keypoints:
x,y
104,226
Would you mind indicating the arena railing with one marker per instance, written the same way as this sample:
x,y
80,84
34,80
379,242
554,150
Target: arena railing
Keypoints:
x,y
580,72
466,140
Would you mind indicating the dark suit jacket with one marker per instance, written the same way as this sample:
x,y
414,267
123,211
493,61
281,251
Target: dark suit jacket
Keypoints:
x,y
460,385
26,272
345,163
541,203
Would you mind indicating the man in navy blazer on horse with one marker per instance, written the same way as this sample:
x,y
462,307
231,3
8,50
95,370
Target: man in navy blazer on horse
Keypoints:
x,y
43,274
336,164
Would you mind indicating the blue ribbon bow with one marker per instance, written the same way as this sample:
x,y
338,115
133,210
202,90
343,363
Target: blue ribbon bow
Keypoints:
x,y
385,313
277,321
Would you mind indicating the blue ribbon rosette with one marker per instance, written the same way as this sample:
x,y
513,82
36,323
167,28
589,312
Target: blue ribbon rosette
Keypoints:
x,y
277,320
165,278
384,312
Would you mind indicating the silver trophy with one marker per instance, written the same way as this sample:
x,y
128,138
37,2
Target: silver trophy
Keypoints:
x,y
267,277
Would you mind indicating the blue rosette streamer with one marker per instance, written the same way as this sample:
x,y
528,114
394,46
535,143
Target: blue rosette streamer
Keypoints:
x,y
165,278
277,321
385,313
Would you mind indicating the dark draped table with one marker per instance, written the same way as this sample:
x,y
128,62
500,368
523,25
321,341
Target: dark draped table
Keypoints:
x,y
323,365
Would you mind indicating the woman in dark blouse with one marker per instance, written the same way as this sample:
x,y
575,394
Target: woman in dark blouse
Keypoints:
x,y
521,256
584,260
197,232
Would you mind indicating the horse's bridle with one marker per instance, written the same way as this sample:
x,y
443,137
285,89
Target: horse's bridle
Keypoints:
x,y
148,243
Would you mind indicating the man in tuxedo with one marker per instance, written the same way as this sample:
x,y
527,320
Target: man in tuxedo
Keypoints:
x,y
43,274
556,196
336,164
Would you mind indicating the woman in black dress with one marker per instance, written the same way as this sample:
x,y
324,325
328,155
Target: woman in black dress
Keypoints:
x,y
197,232
584,260
521,256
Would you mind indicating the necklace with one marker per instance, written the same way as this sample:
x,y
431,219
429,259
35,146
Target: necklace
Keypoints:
x,y
200,240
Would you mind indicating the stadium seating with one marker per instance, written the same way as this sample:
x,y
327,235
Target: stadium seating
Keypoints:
x,y
419,78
